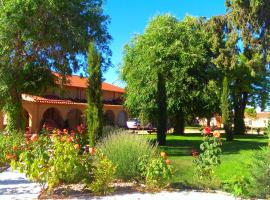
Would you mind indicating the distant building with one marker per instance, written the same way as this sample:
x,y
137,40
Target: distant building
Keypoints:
x,y
261,120
65,107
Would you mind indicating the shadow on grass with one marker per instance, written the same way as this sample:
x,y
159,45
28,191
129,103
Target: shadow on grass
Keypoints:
x,y
182,145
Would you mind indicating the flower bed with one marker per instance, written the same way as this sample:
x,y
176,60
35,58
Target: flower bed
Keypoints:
x,y
61,157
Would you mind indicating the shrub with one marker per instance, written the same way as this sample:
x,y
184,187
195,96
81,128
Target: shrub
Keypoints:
x,y
157,172
103,174
33,161
125,150
209,157
54,159
67,166
259,182
237,185
10,146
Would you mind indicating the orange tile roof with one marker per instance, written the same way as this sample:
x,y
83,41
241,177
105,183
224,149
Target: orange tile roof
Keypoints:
x,y
81,82
262,115
38,99
44,100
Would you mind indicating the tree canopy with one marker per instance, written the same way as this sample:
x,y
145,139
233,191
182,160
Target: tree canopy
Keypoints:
x,y
179,52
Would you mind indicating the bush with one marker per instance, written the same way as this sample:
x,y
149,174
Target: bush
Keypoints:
x,y
54,159
10,146
157,172
238,185
67,165
259,182
125,151
103,174
208,159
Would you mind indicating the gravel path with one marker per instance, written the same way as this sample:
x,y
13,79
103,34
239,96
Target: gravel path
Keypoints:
x,y
14,185
182,195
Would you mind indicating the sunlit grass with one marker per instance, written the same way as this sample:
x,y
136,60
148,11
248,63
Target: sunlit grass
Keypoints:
x,y
234,159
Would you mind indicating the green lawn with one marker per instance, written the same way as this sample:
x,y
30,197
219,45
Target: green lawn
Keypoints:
x,y
234,160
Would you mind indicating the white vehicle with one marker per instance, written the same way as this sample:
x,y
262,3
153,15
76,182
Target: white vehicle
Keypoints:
x,y
133,124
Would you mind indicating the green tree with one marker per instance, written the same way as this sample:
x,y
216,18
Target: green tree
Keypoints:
x,y
250,20
173,52
94,95
39,36
251,112
225,109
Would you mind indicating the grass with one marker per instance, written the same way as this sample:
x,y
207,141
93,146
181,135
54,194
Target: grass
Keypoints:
x,y
234,159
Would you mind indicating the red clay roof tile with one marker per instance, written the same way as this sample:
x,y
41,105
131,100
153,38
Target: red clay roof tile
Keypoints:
x,y
81,82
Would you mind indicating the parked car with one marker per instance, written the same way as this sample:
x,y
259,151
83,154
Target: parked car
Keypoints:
x,y
133,124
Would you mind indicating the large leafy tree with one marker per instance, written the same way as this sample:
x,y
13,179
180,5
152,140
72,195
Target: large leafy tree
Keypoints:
x,y
241,47
251,20
172,54
39,36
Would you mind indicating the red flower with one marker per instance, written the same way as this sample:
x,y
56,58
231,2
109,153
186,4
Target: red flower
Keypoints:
x,y
92,150
15,148
168,162
79,129
194,153
207,131
34,137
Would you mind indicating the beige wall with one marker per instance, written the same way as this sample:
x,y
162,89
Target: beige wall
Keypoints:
x,y
36,111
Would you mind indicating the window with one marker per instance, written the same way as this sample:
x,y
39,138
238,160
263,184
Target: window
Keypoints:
x,y
250,122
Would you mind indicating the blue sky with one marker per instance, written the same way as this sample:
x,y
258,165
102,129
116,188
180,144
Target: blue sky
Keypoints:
x,y
129,17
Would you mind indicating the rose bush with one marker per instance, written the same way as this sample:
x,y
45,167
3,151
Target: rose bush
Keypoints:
x,y
10,147
209,157
55,157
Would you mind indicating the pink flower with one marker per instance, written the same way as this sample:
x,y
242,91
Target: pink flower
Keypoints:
x,y
207,131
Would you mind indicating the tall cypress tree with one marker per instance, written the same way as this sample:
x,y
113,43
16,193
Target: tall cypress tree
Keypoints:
x,y
225,109
94,95
162,110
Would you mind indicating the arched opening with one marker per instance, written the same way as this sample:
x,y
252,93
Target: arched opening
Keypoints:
x,y
122,118
27,119
108,118
52,119
75,117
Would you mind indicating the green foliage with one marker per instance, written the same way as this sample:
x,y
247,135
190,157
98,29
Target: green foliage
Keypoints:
x,y
208,159
176,54
225,108
94,95
251,112
103,174
10,146
125,150
156,172
237,185
37,36
34,161
66,164
259,182
241,53
54,160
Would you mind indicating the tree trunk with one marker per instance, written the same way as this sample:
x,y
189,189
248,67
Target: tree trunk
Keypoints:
x,y
208,121
14,111
225,109
179,123
240,102
162,111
